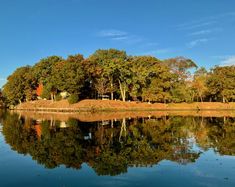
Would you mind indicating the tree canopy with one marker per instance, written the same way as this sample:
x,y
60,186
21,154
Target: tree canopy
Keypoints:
x,y
114,74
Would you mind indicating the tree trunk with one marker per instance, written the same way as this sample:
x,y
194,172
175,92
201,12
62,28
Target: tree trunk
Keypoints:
x,y
201,98
111,90
123,91
193,96
111,95
52,96
223,99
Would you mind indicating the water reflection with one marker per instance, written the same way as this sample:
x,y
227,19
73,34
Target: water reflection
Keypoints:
x,y
110,147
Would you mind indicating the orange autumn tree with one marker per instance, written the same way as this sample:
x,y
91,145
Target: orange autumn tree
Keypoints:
x,y
39,89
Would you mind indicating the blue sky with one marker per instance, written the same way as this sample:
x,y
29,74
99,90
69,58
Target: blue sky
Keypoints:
x,y
203,30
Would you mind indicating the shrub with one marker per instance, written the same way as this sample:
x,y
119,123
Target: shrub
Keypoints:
x,y
46,94
73,99
58,97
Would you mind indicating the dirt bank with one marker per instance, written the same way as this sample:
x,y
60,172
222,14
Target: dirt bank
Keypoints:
x,y
108,105
101,116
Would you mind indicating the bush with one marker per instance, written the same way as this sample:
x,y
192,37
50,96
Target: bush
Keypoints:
x,y
73,99
58,97
46,94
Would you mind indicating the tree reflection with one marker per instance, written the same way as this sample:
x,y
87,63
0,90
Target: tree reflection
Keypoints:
x,y
110,147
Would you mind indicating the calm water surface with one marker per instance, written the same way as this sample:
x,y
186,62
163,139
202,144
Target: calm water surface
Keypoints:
x,y
163,151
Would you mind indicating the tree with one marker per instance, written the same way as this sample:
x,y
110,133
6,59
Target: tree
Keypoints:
x,y
43,73
142,70
102,86
199,83
221,83
68,75
153,78
181,90
2,99
20,86
115,73
123,78
107,64
180,66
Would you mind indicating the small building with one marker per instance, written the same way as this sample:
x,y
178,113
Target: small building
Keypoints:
x,y
104,97
64,94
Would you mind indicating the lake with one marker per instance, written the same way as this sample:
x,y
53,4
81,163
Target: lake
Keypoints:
x,y
117,149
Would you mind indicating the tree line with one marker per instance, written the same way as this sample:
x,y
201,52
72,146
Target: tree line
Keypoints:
x,y
114,74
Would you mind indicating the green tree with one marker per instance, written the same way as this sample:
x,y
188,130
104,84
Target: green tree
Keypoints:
x,y
43,72
181,90
199,83
158,84
68,75
20,86
109,66
2,99
124,77
142,70
221,83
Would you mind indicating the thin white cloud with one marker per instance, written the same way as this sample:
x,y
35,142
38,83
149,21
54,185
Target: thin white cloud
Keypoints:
x,y
197,42
122,36
156,52
128,39
206,21
3,79
200,32
112,33
229,61
196,25
150,44
201,24
227,14
206,31
221,57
